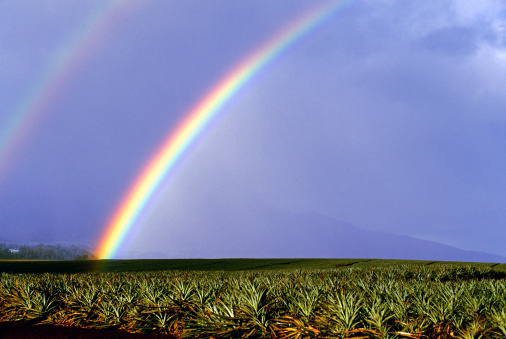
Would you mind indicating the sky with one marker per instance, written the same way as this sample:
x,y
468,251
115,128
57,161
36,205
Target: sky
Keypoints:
x,y
388,116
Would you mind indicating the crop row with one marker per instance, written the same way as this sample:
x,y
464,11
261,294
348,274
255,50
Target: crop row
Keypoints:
x,y
390,302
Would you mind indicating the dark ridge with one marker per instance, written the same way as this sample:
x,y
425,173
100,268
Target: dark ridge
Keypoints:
x,y
347,265
228,264
269,265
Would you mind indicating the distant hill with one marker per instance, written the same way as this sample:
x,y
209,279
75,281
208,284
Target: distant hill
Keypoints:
x,y
265,233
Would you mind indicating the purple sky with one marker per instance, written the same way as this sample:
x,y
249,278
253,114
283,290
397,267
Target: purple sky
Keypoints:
x,y
390,116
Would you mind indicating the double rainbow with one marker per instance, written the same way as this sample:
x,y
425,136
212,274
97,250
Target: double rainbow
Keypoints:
x,y
163,162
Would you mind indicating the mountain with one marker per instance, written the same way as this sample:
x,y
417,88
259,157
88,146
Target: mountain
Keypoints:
x,y
266,233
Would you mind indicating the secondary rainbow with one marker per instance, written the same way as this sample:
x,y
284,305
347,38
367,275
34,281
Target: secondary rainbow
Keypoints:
x,y
20,123
163,161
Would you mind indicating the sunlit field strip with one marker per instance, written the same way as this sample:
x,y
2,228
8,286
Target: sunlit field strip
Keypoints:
x,y
417,300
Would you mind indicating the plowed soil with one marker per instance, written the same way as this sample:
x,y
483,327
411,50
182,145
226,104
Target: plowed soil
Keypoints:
x,y
13,330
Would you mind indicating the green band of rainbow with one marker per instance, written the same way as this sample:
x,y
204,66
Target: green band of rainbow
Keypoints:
x,y
198,118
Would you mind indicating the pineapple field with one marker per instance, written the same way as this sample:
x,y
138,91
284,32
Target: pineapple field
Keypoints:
x,y
268,299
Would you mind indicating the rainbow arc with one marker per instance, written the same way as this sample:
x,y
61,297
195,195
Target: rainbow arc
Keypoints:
x,y
20,123
163,162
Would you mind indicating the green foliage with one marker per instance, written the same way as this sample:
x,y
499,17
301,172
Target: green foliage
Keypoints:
x,y
403,301
43,252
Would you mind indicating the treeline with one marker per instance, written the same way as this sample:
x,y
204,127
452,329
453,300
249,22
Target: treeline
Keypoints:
x,y
44,252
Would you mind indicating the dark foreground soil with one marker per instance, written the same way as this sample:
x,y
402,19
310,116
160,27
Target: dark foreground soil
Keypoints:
x,y
11,330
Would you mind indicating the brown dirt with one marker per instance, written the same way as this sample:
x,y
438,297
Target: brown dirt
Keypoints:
x,y
14,330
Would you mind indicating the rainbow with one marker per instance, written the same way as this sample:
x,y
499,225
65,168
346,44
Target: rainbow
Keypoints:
x,y
195,122
52,83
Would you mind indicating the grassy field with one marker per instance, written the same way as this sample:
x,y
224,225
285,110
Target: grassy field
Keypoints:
x,y
260,298
87,266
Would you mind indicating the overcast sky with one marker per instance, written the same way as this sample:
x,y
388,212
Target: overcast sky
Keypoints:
x,y
390,116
